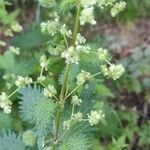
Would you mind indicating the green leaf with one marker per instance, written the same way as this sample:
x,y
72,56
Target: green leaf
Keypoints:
x,y
5,121
103,90
75,142
9,141
7,61
30,39
112,125
36,109
118,144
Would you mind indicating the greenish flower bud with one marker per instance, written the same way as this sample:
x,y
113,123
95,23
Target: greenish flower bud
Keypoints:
x,y
29,138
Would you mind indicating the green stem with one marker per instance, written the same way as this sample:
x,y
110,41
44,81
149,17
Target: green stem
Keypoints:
x,y
64,85
63,89
13,92
77,21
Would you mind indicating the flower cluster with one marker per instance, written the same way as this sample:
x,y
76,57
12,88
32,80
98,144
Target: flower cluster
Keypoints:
x,y
50,27
70,55
87,13
82,77
86,3
80,39
22,81
87,16
75,100
103,54
44,62
29,138
5,103
102,3
65,31
77,117
94,117
16,27
2,43
14,50
113,71
118,7
49,91
67,124
80,44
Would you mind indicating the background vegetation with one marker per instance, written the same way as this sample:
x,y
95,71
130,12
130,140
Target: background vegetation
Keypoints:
x,y
128,39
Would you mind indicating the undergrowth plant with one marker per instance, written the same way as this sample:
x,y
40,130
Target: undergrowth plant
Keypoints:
x,y
61,105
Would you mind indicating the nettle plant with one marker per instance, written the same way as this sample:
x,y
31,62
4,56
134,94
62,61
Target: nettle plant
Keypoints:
x,y
62,113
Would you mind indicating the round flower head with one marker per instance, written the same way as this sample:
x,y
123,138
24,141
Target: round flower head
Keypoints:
x,y
67,124
86,3
50,27
44,62
118,7
5,103
78,116
102,54
87,16
70,55
80,39
82,77
16,27
15,50
75,100
22,81
29,138
95,117
115,71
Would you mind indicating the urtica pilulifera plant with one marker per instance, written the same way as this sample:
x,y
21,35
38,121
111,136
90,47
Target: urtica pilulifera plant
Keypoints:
x,y
60,112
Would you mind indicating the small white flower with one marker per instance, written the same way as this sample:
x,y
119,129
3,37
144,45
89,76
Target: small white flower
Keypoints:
x,y
7,109
5,103
22,81
70,55
50,27
75,100
2,43
67,124
49,91
83,48
65,31
82,77
87,16
118,7
44,62
78,116
86,3
115,71
80,39
15,50
102,54
16,27
102,3
95,117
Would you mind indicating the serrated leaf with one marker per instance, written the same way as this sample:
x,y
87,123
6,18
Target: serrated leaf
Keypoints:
x,y
10,141
36,109
5,121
